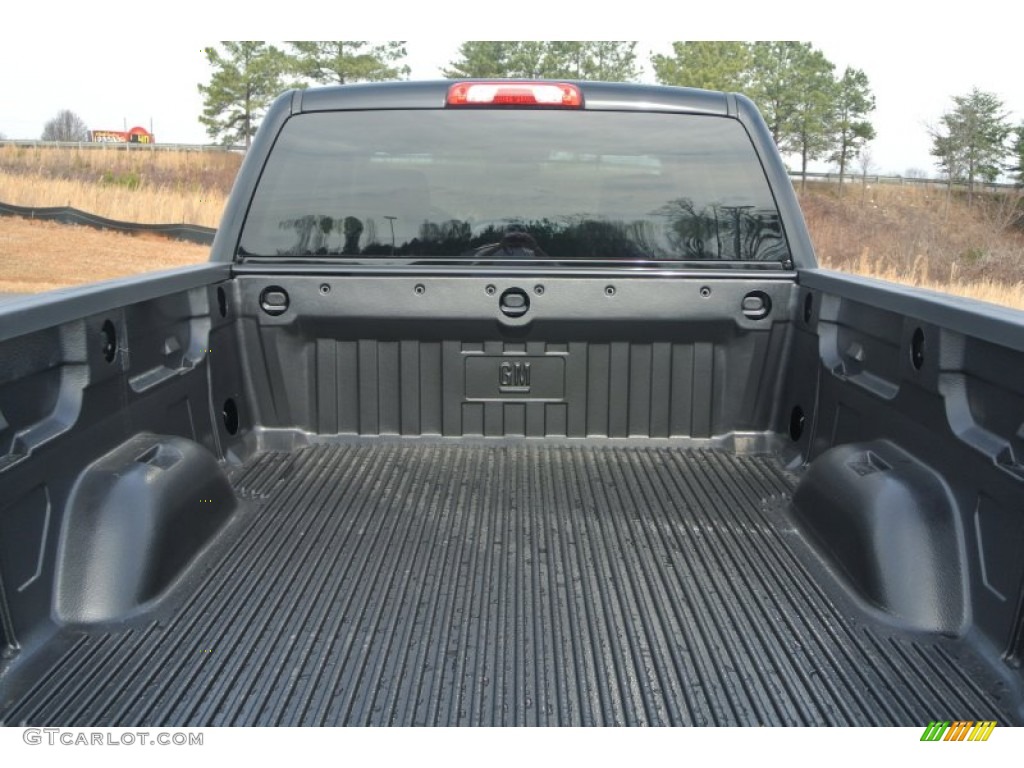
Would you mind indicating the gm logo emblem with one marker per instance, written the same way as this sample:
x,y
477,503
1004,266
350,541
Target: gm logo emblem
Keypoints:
x,y
514,377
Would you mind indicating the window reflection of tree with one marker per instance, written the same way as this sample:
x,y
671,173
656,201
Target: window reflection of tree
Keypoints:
x,y
312,231
352,229
763,237
732,221
718,231
690,233
313,235
369,232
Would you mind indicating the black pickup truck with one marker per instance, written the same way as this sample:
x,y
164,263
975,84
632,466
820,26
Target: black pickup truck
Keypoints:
x,y
510,404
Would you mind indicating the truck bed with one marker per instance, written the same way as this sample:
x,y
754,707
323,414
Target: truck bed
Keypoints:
x,y
491,415
416,582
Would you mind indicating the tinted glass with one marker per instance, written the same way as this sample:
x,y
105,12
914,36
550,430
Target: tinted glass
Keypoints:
x,y
509,184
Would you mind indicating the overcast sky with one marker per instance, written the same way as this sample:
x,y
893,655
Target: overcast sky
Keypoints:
x,y
142,62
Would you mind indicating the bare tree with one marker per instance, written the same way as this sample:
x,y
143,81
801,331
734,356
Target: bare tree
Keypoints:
x,y
66,126
866,163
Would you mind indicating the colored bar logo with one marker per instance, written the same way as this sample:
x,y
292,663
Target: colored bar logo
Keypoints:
x,y
958,730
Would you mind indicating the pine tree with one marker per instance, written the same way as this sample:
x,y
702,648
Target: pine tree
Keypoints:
x,y
246,79
1017,163
610,60
348,61
808,130
710,64
775,85
793,87
851,128
485,58
529,59
970,144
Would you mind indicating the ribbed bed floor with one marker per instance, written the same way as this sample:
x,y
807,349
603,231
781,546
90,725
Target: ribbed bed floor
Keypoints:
x,y
416,584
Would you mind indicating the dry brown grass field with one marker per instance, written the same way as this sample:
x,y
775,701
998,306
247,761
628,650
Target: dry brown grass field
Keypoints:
x,y
914,235
41,255
146,186
922,236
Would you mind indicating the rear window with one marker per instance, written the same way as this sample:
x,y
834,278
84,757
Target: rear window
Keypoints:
x,y
505,184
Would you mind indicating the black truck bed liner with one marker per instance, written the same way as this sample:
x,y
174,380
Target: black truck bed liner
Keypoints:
x,y
379,582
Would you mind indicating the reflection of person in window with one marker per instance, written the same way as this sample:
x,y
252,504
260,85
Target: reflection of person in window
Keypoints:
x,y
353,230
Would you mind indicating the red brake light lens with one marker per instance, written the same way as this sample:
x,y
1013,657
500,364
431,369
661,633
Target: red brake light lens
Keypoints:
x,y
515,94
